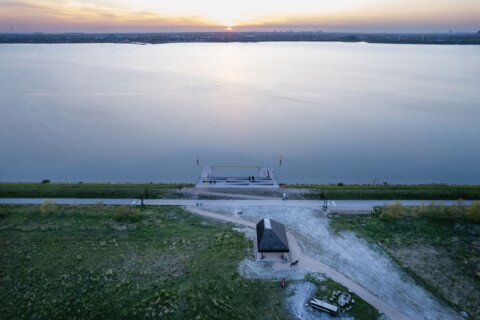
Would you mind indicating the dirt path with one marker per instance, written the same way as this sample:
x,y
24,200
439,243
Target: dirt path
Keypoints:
x,y
308,263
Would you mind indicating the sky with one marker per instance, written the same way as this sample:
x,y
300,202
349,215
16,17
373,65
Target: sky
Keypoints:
x,y
246,15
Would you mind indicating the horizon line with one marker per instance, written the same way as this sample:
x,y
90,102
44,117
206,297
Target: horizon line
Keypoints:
x,y
235,31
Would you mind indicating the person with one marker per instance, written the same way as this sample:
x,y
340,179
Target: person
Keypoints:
x,y
283,283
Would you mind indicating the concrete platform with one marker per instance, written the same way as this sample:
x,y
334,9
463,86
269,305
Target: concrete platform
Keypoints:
x,y
264,179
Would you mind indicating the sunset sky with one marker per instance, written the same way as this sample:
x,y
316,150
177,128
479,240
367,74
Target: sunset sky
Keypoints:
x,y
245,15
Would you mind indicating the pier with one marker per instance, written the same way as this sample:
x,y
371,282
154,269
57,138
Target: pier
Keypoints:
x,y
264,178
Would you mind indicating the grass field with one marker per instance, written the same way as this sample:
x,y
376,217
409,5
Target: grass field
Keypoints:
x,y
95,191
98,261
310,192
395,192
442,255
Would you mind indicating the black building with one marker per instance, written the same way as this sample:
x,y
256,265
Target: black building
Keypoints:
x,y
271,237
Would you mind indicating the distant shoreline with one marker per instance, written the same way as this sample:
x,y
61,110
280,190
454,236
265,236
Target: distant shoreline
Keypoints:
x,y
190,184
472,38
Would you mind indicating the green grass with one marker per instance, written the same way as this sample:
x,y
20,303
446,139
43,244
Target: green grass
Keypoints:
x,y
396,192
407,230
99,191
80,262
391,187
360,309
441,255
212,197
162,191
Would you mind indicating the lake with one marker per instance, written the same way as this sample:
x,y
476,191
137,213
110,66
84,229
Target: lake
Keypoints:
x,y
349,112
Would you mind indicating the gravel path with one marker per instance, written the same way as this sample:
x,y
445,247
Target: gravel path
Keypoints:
x,y
300,294
310,264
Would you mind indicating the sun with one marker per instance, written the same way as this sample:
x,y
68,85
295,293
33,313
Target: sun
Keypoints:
x,y
229,25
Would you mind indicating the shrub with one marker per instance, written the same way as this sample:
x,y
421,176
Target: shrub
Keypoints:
x,y
340,184
392,211
125,213
3,212
98,206
45,181
457,210
443,212
427,211
473,212
434,211
48,206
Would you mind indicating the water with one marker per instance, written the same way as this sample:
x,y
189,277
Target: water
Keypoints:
x,y
350,112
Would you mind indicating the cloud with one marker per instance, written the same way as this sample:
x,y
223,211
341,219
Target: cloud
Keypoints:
x,y
77,13
118,16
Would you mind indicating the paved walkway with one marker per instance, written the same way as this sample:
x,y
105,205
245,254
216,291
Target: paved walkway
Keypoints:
x,y
310,264
268,202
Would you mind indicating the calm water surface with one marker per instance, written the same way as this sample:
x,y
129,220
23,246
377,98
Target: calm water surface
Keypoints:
x,y
355,113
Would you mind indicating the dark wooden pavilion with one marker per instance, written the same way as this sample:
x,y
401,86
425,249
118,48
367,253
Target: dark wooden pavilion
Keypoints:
x,y
271,237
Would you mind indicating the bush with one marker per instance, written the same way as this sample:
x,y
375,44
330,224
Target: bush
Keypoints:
x,y
45,181
48,206
98,206
3,212
431,211
392,211
442,212
125,213
340,184
458,210
473,212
